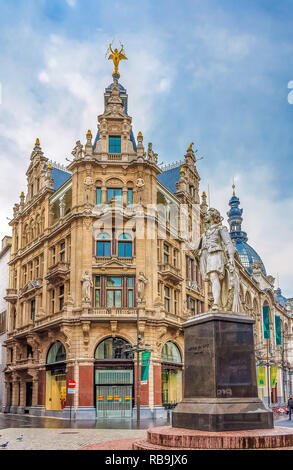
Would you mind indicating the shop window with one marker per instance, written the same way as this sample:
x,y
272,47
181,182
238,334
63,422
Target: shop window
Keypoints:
x,y
114,144
125,246
171,353
113,348
171,374
56,353
104,245
56,377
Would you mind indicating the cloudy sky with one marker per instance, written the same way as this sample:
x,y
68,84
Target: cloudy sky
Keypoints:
x,y
216,72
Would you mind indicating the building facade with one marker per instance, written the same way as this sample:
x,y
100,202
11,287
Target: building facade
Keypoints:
x,y
4,284
103,255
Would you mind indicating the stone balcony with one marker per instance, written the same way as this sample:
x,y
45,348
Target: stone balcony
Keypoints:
x,y
113,312
11,295
170,273
57,272
195,287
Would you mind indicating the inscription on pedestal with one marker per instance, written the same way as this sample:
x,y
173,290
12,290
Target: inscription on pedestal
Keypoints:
x,y
220,389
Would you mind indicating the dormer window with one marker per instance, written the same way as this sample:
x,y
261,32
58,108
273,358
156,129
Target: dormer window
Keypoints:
x,y
114,144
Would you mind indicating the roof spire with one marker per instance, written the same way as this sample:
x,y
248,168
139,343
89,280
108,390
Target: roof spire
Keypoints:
x,y
235,218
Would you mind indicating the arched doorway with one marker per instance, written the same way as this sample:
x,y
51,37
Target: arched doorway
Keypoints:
x,y
113,379
56,377
171,366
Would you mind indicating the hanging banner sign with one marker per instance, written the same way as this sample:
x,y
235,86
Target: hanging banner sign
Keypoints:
x,y
109,398
127,397
117,398
278,330
266,321
273,374
261,376
100,397
145,365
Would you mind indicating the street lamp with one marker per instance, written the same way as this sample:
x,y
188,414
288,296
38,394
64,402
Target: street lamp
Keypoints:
x,y
136,348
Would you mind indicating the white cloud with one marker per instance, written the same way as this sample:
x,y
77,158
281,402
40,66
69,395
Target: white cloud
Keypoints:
x,y
290,95
266,218
71,3
58,96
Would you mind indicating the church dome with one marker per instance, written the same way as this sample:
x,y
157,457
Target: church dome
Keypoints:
x,y
246,253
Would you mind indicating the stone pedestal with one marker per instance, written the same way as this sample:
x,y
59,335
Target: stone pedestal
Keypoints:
x,y
220,389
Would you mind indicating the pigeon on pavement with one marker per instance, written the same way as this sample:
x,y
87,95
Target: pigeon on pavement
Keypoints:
x,y
20,438
4,445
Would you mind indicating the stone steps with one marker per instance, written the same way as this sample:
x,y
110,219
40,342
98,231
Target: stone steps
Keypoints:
x,y
166,437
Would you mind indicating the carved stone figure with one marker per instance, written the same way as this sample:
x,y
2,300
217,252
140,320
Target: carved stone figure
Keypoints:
x,y
77,151
87,284
217,263
140,184
152,156
141,283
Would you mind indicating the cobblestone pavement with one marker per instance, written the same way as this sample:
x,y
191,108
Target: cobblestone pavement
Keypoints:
x,y
62,439
41,433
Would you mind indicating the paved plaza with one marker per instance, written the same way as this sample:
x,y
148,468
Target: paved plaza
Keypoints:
x,y
60,434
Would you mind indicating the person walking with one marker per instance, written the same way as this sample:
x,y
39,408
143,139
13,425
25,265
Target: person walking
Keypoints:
x,y
290,406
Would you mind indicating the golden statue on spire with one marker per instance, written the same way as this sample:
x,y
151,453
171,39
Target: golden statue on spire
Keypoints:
x,y
116,56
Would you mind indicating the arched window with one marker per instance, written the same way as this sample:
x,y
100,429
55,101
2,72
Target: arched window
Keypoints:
x,y
125,246
113,348
56,353
170,353
171,374
103,244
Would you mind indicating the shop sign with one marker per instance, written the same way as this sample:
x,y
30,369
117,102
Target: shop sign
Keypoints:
x,y
273,374
261,376
145,365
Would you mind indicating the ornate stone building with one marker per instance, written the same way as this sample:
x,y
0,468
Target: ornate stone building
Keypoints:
x,y
92,246
4,283
103,251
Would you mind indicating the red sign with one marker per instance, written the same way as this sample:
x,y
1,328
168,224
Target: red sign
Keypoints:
x,y
71,383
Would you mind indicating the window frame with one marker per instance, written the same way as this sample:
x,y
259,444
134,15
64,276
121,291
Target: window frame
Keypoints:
x,y
112,142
